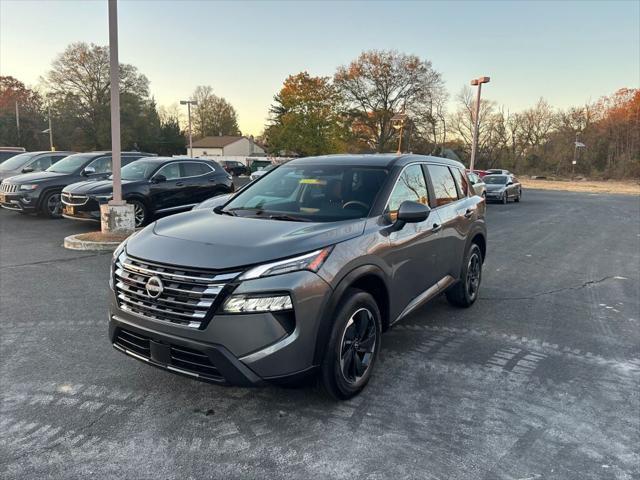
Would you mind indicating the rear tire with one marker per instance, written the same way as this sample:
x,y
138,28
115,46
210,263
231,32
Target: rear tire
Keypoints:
x,y
353,345
51,206
140,213
465,292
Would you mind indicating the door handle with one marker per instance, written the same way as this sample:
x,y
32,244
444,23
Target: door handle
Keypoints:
x,y
179,184
436,227
469,213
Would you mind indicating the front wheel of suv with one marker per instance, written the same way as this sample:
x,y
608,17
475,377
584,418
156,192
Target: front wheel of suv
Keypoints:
x,y
465,292
51,205
353,345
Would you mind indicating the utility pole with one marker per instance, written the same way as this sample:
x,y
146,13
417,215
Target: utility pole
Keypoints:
x,y
114,66
188,103
18,124
50,130
476,120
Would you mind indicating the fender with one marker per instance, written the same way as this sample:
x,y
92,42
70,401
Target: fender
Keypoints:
x,y
326,323
477,228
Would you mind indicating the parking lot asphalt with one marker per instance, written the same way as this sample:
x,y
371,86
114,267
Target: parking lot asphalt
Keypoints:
x,y
540,379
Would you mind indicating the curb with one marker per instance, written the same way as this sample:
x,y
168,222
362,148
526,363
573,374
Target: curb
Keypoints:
x,y
73,243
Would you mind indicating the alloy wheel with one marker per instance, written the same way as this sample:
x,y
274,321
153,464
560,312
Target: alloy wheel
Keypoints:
x,y
358,345
474,271
54,204
138,213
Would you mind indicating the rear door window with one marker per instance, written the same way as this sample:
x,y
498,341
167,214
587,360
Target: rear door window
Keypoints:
x,y
444,186
461,181
194,169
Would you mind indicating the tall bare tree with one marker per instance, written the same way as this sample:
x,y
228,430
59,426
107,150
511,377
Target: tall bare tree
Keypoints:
x,y
378,85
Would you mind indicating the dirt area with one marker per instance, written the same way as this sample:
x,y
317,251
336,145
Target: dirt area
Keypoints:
x,y
101,237
591,186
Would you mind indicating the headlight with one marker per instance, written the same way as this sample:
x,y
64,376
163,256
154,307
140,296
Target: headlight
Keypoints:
x,y
256,304
28,187
310,261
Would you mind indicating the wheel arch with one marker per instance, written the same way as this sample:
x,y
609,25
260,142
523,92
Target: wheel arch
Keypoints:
x,y
369,278
46,191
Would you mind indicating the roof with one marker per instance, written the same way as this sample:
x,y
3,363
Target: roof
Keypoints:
x,y
385,160
217,142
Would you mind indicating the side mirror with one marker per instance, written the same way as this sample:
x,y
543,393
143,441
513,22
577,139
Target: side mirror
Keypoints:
x,y
159,179
412,212
88,171
27,170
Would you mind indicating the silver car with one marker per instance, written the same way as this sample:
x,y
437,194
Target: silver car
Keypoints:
x,y
479,187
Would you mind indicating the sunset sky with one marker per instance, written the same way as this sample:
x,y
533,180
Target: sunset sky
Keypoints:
x,y
567,52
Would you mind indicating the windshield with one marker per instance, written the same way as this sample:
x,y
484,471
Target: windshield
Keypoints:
x,y
317,193
71,163
495,179
16,162
139,170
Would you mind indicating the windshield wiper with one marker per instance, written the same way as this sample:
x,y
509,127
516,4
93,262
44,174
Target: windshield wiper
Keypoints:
x,y
288,218
220,211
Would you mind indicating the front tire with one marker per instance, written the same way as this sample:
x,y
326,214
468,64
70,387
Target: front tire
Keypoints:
x,y
353,345
505,198
51,206
465,292
517,199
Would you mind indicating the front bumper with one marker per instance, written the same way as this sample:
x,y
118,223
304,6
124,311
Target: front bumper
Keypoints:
x,y
19,201
237,349
86,211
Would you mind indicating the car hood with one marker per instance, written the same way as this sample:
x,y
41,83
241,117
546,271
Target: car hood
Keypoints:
x,y
36,177
92,187
203,239
9,173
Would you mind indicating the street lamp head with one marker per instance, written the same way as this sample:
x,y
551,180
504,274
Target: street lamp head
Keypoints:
x,y
478,81
188,102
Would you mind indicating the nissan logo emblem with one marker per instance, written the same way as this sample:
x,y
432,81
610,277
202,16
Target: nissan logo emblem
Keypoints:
x,y
154,287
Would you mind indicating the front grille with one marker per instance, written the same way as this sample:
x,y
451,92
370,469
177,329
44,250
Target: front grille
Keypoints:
x,y
186,295
181,358
8,188
69,199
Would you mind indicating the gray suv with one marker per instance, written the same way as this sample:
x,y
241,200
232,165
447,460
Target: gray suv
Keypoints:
x,y
300,272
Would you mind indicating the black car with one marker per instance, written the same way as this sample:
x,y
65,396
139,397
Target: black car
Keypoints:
x,y
28,162
7,152
153,185
39,192
235,168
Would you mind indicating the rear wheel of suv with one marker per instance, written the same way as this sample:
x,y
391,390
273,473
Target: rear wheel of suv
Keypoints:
x,y
140,212
353,345
465,292
51,205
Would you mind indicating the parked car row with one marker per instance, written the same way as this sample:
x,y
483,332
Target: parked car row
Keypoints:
x,y
75,184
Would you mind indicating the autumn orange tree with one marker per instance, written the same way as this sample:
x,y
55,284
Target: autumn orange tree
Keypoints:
x,y
32,120
305,117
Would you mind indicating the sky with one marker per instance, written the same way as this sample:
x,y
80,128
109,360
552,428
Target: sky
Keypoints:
x,y
567,52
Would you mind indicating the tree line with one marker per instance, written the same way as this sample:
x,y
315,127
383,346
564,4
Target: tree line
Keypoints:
x,y
359,109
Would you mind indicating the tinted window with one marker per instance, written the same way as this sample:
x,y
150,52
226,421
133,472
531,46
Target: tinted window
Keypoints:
x,y
139,170
6,155
171,171
71,163
102,164
16,161
410,186
495,179
461,180
41,163
444,186
321,193
127,159
193,169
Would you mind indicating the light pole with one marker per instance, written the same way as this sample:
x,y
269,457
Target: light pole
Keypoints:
x,y
188,103
476,119
49,130
114,66
397,121
18,123
577,144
